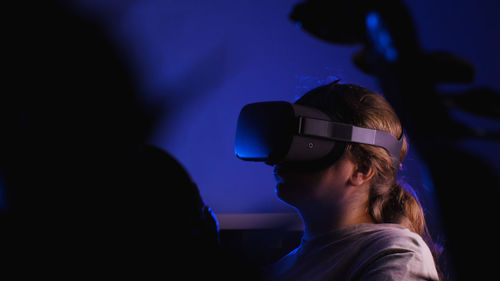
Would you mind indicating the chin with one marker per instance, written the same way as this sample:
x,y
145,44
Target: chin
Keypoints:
x,y
286,193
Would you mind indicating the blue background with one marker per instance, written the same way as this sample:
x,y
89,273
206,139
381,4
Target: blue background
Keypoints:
x,y
201,61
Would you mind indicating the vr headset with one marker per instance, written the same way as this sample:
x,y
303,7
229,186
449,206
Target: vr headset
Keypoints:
x,y
281,133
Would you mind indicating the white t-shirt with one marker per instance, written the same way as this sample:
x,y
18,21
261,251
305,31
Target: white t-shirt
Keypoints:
x,y
359,252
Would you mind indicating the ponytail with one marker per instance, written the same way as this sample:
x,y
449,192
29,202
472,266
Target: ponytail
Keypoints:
x,y
389,201
400,205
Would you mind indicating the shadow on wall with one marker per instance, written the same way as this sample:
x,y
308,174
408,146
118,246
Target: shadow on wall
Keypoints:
x,y
82,192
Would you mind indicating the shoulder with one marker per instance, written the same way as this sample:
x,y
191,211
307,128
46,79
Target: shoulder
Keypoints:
x,y
389,239
394,252
390,236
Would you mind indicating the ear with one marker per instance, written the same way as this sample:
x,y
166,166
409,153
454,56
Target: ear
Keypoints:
x,y
360,177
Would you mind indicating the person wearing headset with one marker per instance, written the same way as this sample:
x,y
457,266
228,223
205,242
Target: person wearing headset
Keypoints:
x,y
359,222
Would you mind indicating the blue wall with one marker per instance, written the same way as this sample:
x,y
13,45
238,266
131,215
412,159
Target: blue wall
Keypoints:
x,y
201,61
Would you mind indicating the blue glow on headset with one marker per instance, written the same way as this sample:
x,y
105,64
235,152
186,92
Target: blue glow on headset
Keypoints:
x,y
380,37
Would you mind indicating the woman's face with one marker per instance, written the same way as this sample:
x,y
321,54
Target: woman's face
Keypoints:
x,y
299,188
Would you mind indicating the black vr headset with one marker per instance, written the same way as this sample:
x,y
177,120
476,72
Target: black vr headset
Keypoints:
x,y
300,136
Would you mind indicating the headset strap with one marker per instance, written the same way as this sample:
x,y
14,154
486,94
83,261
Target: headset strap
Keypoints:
x,y
349,133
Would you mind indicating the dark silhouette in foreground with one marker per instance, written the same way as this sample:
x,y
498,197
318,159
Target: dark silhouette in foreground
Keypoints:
x,y
83,194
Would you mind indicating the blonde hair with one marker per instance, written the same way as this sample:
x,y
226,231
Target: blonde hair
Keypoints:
x,y
389,201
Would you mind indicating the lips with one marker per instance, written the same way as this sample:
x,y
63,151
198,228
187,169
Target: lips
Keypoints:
x,y
277,172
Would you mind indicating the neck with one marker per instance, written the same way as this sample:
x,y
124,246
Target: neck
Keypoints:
x,y
317,224
319,219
